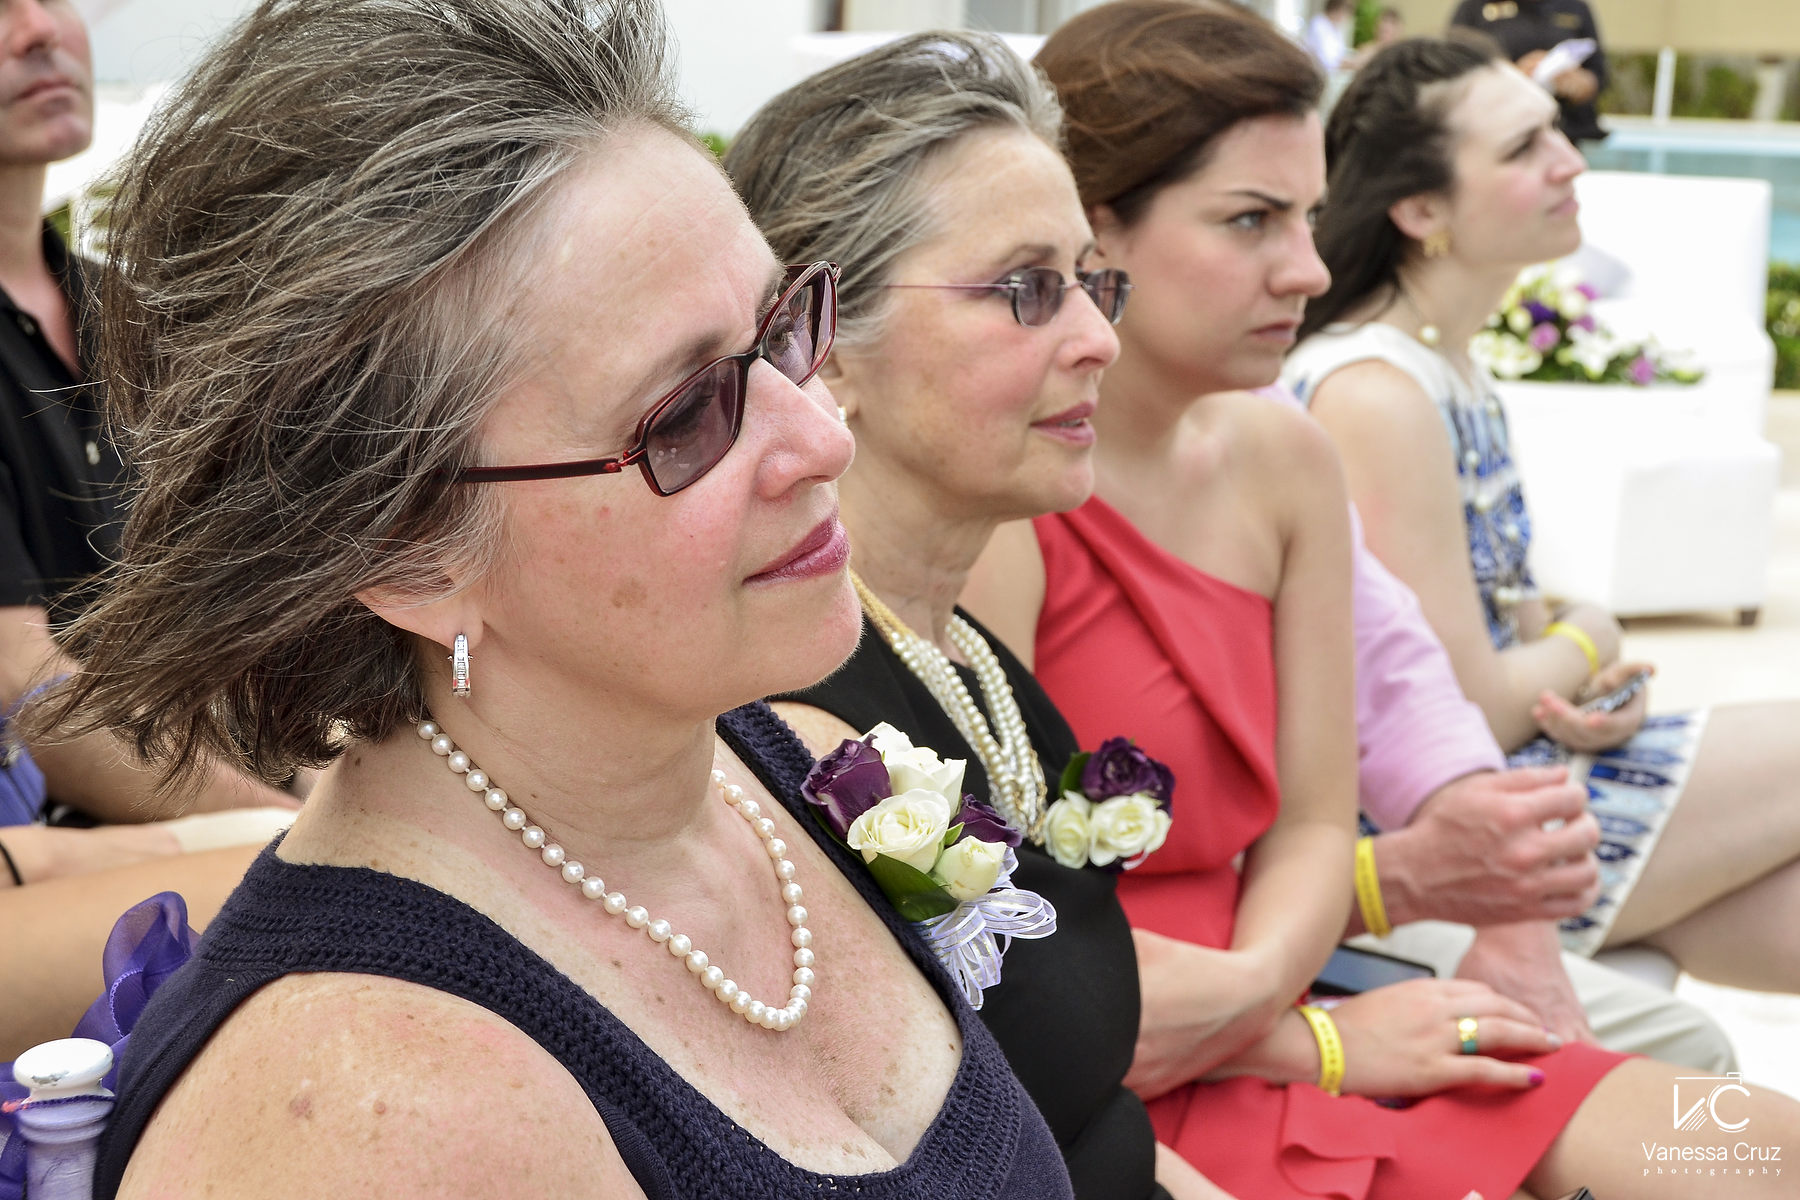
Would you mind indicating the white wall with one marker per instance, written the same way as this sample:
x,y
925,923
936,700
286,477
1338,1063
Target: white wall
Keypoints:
x,y
142,42
735,54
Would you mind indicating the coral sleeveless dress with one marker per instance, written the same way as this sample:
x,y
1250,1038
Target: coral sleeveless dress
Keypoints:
x,y
1134,640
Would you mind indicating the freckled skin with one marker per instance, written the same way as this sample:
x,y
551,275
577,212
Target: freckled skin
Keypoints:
x,y
475,1109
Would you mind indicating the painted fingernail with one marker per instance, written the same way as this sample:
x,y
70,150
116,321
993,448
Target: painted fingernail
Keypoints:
x,y
1537,1079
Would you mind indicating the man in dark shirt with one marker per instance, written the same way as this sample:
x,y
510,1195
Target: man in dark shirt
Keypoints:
x,y
59,474
1526,30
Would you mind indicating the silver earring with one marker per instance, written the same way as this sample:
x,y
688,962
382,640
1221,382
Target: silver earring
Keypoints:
x,y
459,666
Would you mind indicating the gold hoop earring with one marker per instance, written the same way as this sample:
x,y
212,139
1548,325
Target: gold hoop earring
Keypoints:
x,y
1437,245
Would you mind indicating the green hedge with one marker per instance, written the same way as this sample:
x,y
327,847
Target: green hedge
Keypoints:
x,y
1784,323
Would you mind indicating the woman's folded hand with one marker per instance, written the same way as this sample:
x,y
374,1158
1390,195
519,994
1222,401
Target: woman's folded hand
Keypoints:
x,y
1403,1040
1201,1006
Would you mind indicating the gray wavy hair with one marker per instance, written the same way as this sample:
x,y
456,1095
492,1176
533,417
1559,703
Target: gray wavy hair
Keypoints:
x,y
308,313
832,167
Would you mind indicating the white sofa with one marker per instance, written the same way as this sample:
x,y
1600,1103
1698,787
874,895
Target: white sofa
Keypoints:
x,y
1661,500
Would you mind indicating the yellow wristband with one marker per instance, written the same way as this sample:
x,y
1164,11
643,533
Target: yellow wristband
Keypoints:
x,y
1331,1047
1368,889
1579,636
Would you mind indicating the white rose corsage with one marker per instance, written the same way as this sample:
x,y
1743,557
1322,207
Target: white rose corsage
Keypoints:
x,y
943,859
1114,809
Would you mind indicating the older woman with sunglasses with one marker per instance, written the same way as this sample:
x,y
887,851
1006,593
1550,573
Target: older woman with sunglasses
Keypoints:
x,y
968,363
549,924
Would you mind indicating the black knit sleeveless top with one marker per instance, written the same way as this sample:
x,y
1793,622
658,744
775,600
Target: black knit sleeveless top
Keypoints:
x,y
987,1142
1066,1009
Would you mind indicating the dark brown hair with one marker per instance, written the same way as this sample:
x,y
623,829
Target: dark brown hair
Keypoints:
x,y
1387,140
1148,86
307,304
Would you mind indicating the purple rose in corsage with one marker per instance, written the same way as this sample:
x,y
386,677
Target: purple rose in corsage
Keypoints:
x,y
1114,809
847,783
943,859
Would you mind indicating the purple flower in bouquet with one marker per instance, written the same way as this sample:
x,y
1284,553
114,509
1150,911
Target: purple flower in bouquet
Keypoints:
x,y
1585,321
1642,370
1544,338
983,823
1588,290
1119,768
1540,313
847,783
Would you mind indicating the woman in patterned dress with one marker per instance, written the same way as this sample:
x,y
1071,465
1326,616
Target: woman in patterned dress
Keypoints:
x,y
1448,176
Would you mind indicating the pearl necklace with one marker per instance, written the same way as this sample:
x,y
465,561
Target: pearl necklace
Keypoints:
x,y
679,945
1014,773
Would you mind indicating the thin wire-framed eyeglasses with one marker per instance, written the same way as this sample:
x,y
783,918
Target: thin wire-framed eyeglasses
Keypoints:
x,y
1038,292
687,432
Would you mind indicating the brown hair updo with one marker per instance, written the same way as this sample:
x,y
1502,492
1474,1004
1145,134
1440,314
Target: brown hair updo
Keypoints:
x,y
1387,140
1148,86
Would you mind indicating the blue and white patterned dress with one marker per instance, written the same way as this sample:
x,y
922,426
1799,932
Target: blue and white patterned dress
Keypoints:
x,y
1631,788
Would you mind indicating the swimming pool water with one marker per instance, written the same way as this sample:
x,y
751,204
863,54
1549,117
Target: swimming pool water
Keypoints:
x,y
1709,151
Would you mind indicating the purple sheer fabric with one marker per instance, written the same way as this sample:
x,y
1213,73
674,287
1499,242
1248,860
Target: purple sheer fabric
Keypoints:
x,y
147,945
21,783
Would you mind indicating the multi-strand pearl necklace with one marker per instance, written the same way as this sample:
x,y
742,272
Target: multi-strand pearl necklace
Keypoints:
x,y
679,945
1014,773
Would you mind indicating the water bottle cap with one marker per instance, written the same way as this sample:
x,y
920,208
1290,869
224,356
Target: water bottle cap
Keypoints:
x,y
64,1068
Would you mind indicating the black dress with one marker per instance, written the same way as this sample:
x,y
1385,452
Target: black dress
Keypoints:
x,y
1066,1008
287,918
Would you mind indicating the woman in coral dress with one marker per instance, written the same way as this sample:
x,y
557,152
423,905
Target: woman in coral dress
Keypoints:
x,y
1201,600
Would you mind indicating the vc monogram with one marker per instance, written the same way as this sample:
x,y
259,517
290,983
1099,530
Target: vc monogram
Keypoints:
x,y
1707,1106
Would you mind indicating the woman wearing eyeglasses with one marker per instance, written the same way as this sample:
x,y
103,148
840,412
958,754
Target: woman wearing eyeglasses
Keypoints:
x,y
971,342
484,458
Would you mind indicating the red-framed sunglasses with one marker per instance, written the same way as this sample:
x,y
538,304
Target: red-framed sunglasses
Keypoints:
x,y
687,432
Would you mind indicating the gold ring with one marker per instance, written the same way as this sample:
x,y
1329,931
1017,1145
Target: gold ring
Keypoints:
x,y
1469,1032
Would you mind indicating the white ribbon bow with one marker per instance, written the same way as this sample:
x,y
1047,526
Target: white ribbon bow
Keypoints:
x,y
968,937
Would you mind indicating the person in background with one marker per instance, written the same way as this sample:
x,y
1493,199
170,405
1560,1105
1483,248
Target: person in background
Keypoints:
x,y
1328,34
60,482
1461,842
1448,176
1529,29
1390,26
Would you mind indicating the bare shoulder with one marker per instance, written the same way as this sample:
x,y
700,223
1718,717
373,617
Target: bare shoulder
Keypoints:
x,y
362,1087
1374,397
1276,438
1005,588
822,732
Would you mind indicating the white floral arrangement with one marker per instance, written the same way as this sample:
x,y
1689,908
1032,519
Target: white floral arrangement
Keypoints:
x,y
1545,332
